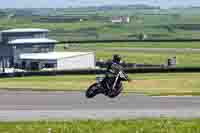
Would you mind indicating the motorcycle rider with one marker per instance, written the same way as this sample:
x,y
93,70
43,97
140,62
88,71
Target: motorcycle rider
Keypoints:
x,y
111,85
113,69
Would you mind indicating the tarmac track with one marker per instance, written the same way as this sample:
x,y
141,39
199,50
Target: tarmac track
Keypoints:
x,y
15,106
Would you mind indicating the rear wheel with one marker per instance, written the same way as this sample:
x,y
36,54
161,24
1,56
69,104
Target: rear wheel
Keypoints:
x,y
92,91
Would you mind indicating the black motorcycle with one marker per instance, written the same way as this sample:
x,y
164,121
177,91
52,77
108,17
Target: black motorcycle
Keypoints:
x,y
110,87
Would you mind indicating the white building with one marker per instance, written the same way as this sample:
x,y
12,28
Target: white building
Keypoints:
x,y
59,60
32,49
120,19
17,41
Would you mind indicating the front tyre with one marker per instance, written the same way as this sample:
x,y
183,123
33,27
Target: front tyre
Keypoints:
x,y
117,91
92,91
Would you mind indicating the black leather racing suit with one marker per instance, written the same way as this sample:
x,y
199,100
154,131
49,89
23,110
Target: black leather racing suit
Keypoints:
x,y
111,73
113,69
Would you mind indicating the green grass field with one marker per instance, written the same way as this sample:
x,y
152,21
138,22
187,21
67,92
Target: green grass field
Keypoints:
x,y
184,59
195,45
155,26
92,126
151,84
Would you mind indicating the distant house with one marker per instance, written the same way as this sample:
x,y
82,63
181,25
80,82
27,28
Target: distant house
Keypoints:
x,y
120,19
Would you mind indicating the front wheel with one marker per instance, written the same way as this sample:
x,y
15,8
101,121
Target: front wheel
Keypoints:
x,y
92,91
116,92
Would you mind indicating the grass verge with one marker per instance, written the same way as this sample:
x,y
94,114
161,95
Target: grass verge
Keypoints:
x,y
178,45
161,125
152,83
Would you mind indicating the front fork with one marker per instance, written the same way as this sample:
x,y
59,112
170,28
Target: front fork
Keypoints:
x,y
108,89
113,87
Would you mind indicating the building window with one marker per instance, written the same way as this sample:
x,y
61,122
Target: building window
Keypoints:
x,y
41,35
23,65
49,65
0,37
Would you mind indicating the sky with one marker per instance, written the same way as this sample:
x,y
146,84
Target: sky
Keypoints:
x,y
77,3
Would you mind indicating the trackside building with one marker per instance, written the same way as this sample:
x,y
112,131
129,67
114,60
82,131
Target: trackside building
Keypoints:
x,y
59,60
32,49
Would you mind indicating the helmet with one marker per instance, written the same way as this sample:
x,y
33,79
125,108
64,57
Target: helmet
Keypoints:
x,y
116,58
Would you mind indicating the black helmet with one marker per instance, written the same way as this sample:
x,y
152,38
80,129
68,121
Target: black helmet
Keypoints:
x,y
116,58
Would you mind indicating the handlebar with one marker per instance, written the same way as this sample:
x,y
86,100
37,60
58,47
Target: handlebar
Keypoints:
x,y
123,75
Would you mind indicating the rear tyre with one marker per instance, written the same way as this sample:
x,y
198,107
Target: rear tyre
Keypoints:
x,y
92,91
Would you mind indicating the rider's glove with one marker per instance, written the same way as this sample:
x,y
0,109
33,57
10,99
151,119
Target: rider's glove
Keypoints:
x,y
129,80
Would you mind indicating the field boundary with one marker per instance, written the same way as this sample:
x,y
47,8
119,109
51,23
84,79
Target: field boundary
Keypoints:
x,y
130,40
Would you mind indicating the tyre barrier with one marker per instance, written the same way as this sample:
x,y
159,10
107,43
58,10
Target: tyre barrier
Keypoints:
x,y
102,71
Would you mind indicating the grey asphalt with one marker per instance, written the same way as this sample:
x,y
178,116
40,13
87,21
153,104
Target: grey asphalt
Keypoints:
x,y
21,105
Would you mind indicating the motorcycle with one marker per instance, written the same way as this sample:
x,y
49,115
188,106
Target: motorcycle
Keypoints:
x,y
110,87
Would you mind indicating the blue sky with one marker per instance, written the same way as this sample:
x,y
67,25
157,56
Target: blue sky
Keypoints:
x,y
75,3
